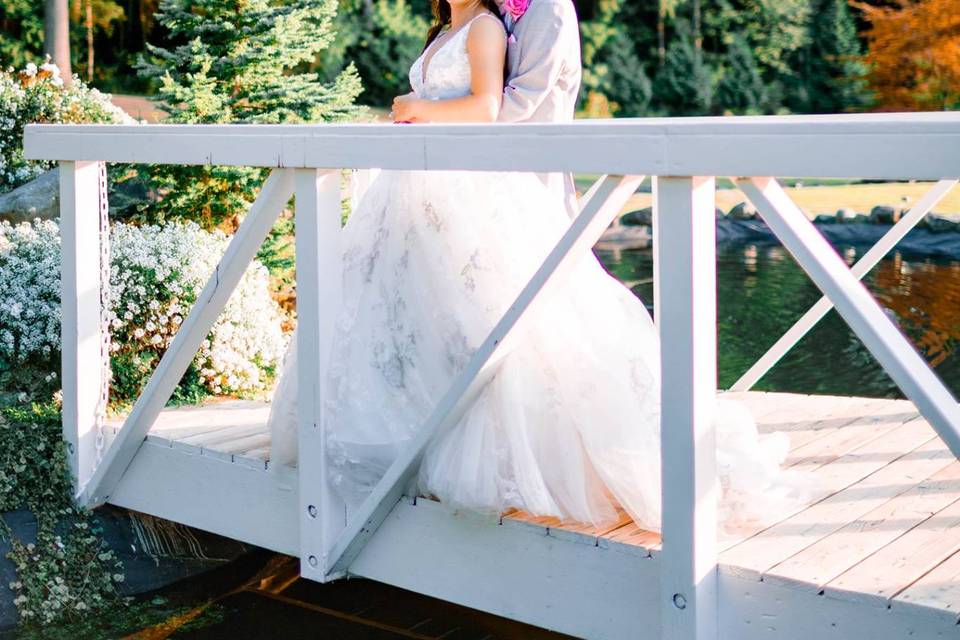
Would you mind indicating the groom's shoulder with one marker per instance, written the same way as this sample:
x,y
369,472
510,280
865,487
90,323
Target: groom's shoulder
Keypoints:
x,y
560,8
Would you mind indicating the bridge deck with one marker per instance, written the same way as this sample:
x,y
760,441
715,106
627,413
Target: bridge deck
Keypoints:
x,y
881,530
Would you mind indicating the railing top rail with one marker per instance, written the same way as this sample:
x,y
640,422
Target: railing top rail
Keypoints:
x,y
889,145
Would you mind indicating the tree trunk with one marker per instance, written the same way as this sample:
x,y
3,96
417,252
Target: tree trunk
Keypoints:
x,y
662,32
56,36
89,24
697,27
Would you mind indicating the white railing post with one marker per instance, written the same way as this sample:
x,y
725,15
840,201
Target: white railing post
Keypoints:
x,y
80,331
319,282
686,232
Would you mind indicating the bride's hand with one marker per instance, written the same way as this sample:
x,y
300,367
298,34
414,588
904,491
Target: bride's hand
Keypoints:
x,y
406,108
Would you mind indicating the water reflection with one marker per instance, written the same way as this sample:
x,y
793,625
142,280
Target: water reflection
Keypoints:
x,y
762,292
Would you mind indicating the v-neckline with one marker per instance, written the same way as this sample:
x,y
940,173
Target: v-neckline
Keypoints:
x,y
432,51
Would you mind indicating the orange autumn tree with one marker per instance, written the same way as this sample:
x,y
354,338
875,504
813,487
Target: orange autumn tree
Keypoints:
x,y
914,54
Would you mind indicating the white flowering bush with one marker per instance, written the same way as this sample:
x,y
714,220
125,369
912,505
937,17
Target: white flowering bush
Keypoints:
x,y
156,274
39,95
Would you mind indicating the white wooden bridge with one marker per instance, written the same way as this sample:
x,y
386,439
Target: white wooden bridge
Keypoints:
x,y
876,553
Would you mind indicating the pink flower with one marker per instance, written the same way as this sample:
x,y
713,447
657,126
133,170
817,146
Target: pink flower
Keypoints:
x,y
516,8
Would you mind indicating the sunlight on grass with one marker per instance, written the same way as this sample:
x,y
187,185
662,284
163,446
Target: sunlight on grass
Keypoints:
x,y
827,199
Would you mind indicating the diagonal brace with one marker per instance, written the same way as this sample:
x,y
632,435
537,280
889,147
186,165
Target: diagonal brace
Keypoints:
x,y
596,215
857,307
863,266
243,247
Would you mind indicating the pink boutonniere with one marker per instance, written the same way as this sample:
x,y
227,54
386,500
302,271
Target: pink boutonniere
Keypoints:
x,y
515,8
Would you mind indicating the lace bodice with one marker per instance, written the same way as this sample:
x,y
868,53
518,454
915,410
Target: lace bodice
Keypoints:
x,y
448,70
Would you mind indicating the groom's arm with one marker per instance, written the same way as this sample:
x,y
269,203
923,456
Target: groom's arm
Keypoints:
x,y
541,59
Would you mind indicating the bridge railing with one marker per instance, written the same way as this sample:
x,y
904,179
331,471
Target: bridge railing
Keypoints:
x,y
685,155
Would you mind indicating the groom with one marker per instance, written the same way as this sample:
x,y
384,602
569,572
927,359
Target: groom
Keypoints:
x,y
543,71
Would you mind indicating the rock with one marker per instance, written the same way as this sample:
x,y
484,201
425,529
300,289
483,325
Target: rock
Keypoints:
x,y
824,218
641,217
845,214
884,214
942,224
743,211
39,198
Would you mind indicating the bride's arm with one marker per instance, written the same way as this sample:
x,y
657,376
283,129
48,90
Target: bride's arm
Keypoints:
x,y
486,47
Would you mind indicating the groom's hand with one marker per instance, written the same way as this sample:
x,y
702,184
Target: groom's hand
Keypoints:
x,y
406,108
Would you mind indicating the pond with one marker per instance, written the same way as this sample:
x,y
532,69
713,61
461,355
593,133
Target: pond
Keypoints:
x,y
762,292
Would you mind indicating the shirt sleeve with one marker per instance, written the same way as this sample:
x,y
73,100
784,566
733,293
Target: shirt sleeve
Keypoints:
x,y
540,64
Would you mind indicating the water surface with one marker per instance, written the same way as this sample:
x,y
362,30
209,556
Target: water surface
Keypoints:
x,y
762,292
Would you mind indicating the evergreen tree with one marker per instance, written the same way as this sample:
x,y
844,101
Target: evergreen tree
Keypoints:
x,y
239,61
741,89
777,32
684,85
612,68
383,38
835,72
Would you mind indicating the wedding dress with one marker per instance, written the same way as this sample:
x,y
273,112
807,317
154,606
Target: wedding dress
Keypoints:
x,y
569,425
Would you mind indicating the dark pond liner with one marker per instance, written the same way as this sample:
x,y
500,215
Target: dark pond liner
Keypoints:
x,y
921,242
155,553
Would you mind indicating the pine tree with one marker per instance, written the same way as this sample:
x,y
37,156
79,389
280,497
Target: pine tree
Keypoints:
x,y
383,38
684,85
835,73
741,89
612,68
239,61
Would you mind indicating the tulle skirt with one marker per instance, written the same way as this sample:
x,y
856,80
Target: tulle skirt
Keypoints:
x,y
569,425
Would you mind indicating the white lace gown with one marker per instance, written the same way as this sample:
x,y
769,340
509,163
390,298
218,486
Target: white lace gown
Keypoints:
x,y
570,424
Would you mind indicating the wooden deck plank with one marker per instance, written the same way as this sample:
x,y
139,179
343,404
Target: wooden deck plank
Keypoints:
x,y
766,404
242,445
826,559
892,569
940,588
222,436
832,438
873,470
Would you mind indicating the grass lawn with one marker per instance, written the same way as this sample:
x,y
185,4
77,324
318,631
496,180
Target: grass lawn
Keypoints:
x,y
828,198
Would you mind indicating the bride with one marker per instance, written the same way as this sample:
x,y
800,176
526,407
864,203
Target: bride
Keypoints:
x,y
570,424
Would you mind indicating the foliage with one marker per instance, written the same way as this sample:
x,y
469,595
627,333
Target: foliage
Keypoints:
x,y
156,275
38,94
776,33
66,572
239,61
382,38
914,53
684,85
835,72
741,89
21,31
612,68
